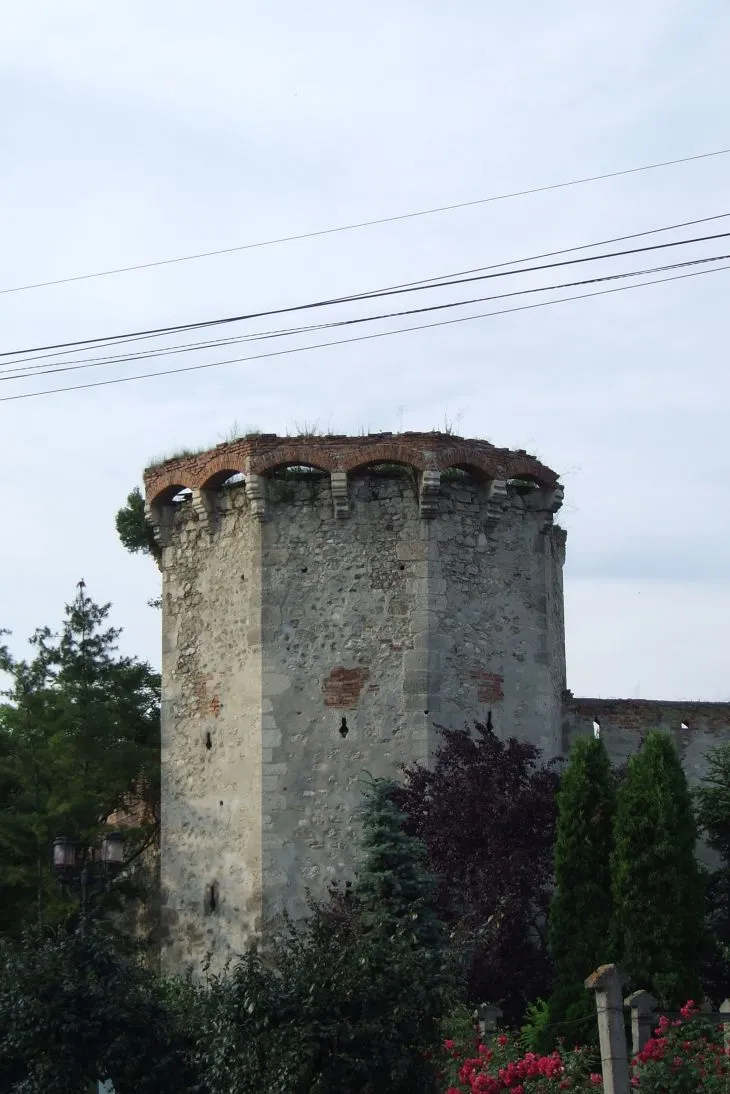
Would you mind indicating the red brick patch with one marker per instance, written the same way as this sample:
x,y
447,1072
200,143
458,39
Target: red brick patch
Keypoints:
x,y
343,686
490,686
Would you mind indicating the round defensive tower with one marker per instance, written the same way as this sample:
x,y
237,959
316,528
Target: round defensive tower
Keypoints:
x,y
328,604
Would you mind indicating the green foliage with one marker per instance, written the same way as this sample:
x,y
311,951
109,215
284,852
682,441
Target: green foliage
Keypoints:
x,y
536,1031
76,1010
79,732
351,1000
395,891
580,911
134,531
713,814
713,801
657,890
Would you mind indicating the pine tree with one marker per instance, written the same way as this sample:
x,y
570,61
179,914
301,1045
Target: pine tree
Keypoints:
x,y
580,911
657,889
79,732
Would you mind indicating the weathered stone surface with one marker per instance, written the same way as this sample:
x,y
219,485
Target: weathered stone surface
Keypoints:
x,y
314,649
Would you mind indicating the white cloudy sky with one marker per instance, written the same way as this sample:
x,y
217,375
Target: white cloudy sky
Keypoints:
x,y
133,132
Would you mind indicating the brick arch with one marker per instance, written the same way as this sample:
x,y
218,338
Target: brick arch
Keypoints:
x,y
485,465
168,486
525,467
219,467
305,455
386,452
213,480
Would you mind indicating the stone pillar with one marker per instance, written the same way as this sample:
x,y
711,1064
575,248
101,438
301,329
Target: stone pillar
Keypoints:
x,y
725,1011
607,982
643,1006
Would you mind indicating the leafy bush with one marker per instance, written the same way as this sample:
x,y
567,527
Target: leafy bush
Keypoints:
x,y
486,814
685,1056
504,1066
76,1010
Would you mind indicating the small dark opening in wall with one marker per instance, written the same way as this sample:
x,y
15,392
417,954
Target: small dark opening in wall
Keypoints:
x,y
401,567
208,741
344,729
490,724
304,569
220,803
425,712
211,898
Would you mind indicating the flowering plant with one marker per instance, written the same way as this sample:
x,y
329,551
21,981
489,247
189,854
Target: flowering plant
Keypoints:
x,y
685,1056
504,1066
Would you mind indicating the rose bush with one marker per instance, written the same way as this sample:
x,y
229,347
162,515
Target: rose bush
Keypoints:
x,y
686,1055
482,1069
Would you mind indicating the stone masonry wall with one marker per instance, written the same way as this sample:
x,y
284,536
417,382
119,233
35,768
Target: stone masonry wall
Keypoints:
x,y
211,735
623,723
302,651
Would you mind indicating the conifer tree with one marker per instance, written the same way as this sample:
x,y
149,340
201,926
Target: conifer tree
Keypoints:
x,y
395,891
657,888
79,733
580,911
713,814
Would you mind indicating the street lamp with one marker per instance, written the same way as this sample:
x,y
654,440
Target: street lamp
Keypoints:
x,y
91,871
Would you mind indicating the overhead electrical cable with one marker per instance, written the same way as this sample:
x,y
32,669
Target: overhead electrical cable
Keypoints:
x,y
356,338
367,223
447,281
51,369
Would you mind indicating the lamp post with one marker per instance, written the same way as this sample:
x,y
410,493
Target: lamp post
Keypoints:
x,y
91,872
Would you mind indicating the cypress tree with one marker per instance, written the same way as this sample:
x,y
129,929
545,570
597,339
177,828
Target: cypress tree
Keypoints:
x,y
657,889
580,911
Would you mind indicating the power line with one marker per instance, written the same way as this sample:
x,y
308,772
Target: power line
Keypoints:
x,y
356,338
69,367
447,281
366,223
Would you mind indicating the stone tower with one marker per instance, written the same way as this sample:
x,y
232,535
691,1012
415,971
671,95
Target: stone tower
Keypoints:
x,y
328,603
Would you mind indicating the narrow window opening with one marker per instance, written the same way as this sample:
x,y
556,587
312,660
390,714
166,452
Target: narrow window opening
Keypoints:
x,y
211,898
490,723
684,725
344,729
220,803
596,728
401,567
208,741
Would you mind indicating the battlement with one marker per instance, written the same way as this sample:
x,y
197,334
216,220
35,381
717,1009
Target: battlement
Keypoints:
x,y
256,458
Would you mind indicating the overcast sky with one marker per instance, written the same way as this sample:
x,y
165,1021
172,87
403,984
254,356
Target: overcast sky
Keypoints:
x,y
135,132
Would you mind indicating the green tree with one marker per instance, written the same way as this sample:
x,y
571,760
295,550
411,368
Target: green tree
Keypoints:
x,y
656,883
394,889
75,1010
580,911
79,738
713,813
349,1000
133,529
